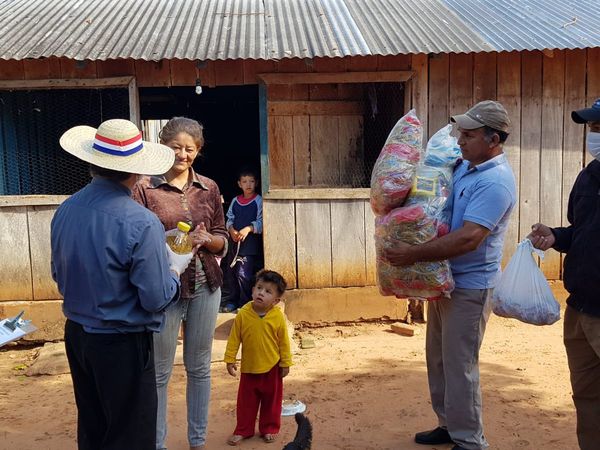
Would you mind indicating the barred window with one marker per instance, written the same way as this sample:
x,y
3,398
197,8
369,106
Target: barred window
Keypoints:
x,y
31,123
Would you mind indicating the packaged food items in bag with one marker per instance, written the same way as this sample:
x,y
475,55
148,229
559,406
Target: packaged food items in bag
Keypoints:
x,y
424,279
432,185
394,170
426,215
522,292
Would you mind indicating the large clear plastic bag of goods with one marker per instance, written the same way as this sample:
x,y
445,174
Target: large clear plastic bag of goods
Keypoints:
x,y
425,216
432,186
523,292
427,280
394,170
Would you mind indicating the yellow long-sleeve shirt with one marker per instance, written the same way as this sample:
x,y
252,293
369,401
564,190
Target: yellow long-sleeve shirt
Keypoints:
x,y
264,340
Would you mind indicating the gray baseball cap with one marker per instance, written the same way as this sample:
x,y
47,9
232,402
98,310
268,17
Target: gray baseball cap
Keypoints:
x,y
486,113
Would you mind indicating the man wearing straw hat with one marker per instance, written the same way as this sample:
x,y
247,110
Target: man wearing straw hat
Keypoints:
x,y
116,274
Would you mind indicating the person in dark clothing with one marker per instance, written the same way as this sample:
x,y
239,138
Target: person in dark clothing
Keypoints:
x,y
581,243
244,223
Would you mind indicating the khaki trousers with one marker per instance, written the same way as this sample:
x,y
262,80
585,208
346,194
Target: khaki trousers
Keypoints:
x,y
455,329
582,341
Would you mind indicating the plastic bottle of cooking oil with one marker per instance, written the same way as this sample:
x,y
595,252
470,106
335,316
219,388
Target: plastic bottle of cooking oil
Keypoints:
x,y
181,242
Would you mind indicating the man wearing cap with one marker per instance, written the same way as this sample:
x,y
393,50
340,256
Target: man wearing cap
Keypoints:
x,y
484,194
581,275
112,266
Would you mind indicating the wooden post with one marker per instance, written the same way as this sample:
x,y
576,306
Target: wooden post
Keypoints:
x,y
264,137
552,152
419,87
484,76
461,85
531,129
134,103
509,94
438,94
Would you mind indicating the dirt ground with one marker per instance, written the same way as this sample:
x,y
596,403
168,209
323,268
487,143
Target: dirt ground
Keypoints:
x,y
365,387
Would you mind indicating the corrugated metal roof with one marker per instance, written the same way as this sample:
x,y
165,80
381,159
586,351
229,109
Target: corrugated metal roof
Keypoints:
x,y
532,24
308,28
415,26
275,29
147,29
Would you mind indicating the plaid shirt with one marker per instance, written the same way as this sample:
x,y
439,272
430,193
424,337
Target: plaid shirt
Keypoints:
x,y
198,202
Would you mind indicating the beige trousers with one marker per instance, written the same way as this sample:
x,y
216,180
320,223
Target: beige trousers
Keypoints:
x,y
582,341
455,329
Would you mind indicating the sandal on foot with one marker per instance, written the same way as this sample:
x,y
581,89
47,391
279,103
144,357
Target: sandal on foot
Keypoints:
x,y
269,438
235,439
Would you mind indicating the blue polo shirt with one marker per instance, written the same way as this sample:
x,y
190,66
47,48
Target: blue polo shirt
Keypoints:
x,y
484,194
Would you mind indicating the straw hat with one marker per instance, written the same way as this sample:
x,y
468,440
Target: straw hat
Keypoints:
x,y
117,144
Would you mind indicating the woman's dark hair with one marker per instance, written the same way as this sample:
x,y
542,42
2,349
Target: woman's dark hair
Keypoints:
x,y
270,276
182,125
113,175
489,133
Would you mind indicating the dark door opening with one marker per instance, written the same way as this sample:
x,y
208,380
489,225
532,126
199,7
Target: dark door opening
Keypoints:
x,y
231,128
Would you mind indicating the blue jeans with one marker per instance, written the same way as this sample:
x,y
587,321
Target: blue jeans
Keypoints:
x,y
199,316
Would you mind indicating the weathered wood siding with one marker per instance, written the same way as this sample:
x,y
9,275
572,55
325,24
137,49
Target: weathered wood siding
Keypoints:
x,y
320,243
25,249
314,142
305,237
545,149
184,73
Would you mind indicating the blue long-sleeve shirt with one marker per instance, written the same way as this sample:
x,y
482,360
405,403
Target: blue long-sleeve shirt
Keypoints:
x,y
110,262
243,212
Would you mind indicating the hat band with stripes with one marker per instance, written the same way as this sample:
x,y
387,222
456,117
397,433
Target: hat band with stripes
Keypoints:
x,y
118,148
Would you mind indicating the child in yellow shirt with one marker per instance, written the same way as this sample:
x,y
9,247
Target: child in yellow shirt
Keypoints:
x,y
266,359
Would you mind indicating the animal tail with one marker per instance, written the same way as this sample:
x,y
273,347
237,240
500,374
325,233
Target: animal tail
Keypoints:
x,y
303,438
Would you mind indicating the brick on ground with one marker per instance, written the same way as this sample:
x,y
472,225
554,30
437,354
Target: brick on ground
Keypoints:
x,y
404,329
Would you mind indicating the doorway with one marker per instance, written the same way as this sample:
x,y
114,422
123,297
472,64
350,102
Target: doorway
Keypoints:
x,y
231,128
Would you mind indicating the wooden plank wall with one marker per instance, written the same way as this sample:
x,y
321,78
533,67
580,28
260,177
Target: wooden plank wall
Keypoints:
x,y
304,248
15,276
315,135
184,72
25,253
509,94
546,149
531,129
332,245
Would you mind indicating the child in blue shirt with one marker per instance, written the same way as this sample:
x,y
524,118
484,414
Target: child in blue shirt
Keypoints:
x,y
244,224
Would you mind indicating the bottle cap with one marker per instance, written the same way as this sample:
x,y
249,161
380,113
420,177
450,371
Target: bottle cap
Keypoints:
x,y
185,227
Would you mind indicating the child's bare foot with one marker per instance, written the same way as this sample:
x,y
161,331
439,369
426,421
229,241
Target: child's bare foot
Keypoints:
x,y
235,439
269,438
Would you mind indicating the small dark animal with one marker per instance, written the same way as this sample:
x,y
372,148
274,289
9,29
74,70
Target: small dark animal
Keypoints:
x,y
303,438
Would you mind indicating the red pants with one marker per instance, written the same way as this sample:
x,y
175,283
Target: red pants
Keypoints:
x,y
264,390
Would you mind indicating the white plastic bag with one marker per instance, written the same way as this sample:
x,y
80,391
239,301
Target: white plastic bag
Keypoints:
x,y
523,292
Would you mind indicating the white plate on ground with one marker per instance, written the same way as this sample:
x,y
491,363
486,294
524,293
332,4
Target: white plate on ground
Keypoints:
x,y
291,407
